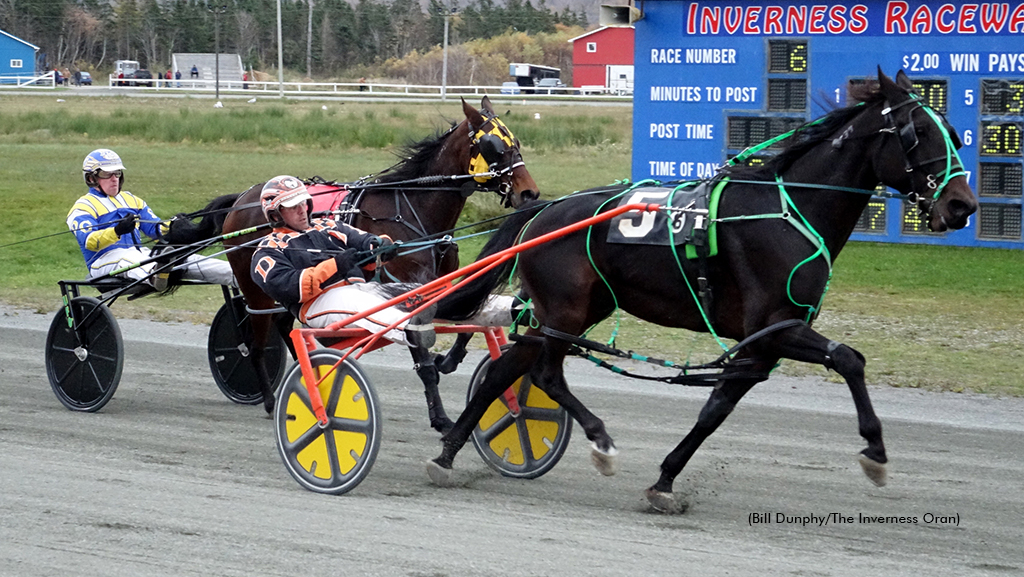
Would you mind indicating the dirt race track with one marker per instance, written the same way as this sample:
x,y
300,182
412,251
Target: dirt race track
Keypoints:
x,y
171,478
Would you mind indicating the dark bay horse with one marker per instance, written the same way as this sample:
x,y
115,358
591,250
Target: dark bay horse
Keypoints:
x,y
422,195
770,270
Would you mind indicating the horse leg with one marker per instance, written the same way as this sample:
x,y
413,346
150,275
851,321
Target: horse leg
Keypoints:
x,y
284,322
719,405
260,333
428,373
502,373
804,344
450,361
549,375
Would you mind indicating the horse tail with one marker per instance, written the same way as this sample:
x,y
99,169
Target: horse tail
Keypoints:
x,y
467,299
184,230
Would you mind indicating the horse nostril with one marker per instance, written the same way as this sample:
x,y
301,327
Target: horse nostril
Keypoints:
x,y
530,195
962,209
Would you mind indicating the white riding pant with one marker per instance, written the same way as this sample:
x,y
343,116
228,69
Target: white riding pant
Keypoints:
x,y
195,267
342,302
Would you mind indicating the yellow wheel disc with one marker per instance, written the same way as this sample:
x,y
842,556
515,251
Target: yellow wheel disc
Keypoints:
x,y
333,459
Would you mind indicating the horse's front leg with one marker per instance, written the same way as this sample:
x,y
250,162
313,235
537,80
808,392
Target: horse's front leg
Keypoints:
x,y
261,327
719,405
802,343
428,373
450,361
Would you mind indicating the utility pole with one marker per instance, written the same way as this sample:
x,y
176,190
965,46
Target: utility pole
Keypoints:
x,y
309,42
448,13
280,54
216,47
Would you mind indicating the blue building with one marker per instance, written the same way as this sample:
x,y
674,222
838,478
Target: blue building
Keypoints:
x,y
17,57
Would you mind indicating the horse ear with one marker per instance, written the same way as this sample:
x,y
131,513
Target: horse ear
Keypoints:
x,y
485,104
903,81
887,86
473,116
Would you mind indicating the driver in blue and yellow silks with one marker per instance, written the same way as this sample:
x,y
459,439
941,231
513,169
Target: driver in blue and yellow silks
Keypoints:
x,y
107,221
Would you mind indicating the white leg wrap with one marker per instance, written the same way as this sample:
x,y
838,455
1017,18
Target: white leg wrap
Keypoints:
x,y
496,312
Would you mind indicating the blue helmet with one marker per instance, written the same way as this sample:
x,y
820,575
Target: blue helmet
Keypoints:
x,y
101,159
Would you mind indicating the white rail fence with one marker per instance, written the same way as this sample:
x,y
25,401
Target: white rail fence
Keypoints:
x,y
426,91
236,88
44,81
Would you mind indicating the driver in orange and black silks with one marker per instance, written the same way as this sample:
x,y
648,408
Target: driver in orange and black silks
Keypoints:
x,y
312,267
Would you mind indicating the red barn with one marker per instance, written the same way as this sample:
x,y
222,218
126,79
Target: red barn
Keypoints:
x,y
604,58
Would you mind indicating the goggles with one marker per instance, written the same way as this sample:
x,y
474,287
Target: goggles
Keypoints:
x,y
103,175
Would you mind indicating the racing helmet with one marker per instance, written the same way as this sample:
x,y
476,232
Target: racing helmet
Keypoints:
x,y
102,159
283,191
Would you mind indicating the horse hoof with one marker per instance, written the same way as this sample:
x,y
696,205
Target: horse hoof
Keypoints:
x,y
663,502
604,461
874,470
439,475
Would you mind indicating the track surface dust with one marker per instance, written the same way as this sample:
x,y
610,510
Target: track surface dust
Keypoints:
x,y
170,478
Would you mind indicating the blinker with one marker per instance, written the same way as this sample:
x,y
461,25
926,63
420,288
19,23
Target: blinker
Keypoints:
x,y
492,148
908,137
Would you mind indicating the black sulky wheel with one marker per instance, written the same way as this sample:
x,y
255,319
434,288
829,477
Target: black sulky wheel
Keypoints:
x,y
84,367
228,350
527,445
335,459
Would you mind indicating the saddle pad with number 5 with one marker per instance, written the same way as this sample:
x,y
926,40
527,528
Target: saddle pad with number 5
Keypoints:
x,y
666,228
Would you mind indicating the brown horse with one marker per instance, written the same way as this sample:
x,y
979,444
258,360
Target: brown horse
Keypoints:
x,y
421,196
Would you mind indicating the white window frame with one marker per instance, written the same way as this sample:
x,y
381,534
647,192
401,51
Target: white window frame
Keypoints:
x,y
17,63
591,47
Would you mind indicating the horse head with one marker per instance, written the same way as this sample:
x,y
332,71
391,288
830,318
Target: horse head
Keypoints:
x,y
920,157
494,156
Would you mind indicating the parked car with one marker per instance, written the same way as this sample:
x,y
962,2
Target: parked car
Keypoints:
x,y
510,88
85,79
546,84
142,74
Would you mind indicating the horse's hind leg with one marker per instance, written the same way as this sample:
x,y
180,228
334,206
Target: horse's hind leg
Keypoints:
x,y
804,344
719,405
502,373
428,373
548,374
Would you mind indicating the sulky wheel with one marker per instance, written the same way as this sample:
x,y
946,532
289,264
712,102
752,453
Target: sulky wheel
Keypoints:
x,y
335,459
527,445
228,350
84,367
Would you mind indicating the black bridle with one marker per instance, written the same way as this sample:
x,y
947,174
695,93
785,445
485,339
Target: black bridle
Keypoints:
x,y
908,141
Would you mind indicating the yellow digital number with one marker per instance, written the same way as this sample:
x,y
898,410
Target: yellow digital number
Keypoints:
x,y
798,58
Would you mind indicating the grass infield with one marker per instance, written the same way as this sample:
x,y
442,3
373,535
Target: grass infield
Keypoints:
x,y
940,318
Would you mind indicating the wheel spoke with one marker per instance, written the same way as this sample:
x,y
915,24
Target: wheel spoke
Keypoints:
x,y
542,414
499,427
298,445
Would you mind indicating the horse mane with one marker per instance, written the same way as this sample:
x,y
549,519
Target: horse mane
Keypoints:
x,y
415,157
811,134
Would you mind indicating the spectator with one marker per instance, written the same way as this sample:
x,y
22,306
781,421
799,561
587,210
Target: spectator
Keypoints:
x,y
177,76
56,77
78,78
245,81
195,71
